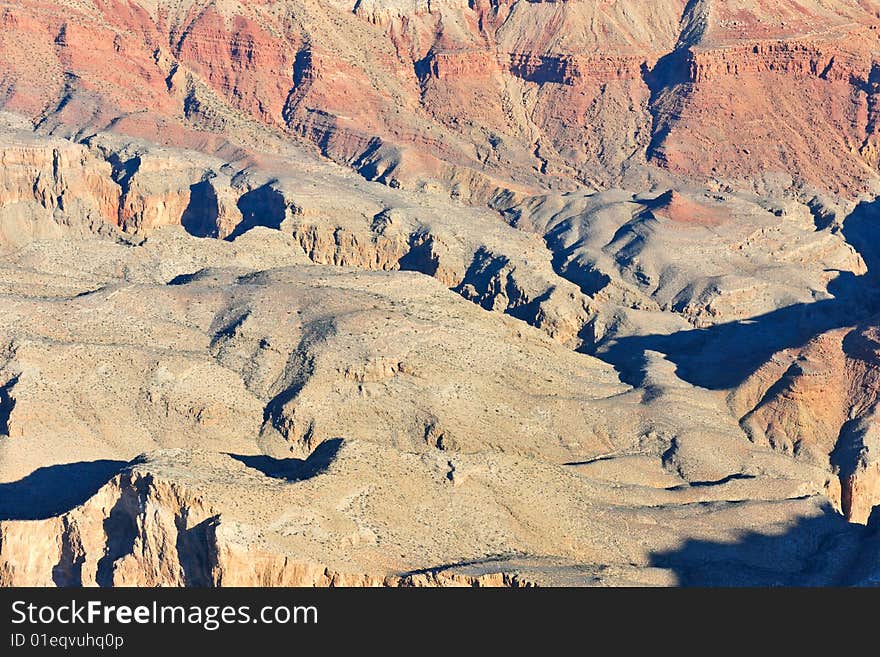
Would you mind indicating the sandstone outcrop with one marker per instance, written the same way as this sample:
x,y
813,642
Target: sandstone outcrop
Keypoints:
x,y
476,97
819,402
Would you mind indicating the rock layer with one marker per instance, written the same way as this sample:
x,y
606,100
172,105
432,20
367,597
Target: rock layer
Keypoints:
x,y
409,293
477,97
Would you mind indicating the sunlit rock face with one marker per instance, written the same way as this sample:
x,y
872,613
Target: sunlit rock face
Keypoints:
x,y
429,293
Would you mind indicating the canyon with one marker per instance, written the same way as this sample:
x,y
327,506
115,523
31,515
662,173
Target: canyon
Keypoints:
x,y
439,293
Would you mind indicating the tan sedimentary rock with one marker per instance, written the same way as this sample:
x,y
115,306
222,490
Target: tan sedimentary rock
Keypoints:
x,y
276,354
404,293
466,415
207,519
708,256
819,402
45,184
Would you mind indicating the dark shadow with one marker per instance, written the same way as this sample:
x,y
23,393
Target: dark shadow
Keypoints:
x,y
861,230
823,550
300,363
123,171
420,257
263,206
68,570
823,217
197,558
723,480
716,482
292,470
671,71
724,355
484,561
423,68
303,67
526,311
574,269
7,404
184,279
598,459
486,276
541,69
200,217
226,327
874,519
121,529
55,489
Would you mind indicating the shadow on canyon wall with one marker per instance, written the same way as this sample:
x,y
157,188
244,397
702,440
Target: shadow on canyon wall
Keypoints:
x,y
724,355
817,551
55,489
822,550
263,206
292,470
201,214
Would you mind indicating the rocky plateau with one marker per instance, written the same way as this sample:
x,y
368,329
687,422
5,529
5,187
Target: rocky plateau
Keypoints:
x,y
439,293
